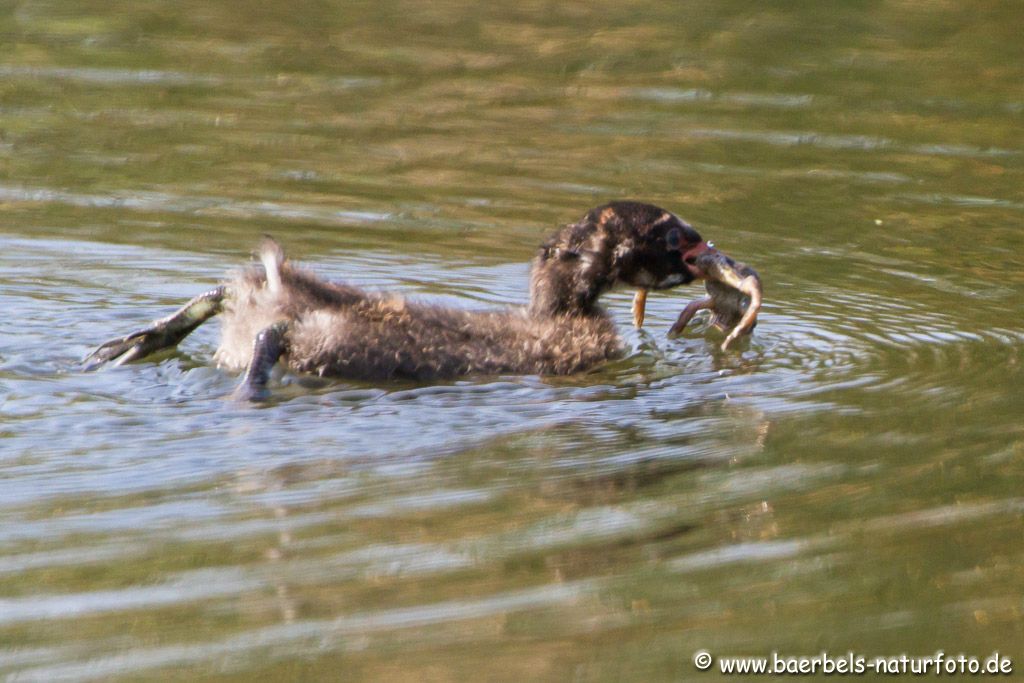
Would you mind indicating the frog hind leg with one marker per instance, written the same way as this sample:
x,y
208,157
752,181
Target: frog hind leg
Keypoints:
x,y
161,334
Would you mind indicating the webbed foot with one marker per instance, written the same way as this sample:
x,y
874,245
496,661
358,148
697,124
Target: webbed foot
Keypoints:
x,y
161,334
267,349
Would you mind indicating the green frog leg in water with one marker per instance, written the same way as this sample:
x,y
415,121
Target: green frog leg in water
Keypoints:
x,y
165,333
687,315
168,332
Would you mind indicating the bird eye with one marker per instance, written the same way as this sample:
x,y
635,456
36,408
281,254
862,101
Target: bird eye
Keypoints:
x,y
673,238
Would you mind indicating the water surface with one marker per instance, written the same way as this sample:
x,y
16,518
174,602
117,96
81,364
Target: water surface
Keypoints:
x,y
850,479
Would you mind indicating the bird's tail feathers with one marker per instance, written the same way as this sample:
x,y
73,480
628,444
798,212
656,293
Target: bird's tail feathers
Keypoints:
x,y
273,258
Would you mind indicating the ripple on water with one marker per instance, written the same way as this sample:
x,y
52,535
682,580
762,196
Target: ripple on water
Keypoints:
x,y
158,77
210,206
312,636
358,457
799,348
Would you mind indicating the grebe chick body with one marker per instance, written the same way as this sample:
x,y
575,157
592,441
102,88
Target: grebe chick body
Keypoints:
x,y
276,311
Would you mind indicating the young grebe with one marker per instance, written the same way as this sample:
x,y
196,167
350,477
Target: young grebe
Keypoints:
x,y
278,311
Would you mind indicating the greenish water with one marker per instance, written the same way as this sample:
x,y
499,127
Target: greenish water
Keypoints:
x,y
850,480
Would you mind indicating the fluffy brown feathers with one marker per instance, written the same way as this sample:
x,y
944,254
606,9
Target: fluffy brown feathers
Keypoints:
x,y
341,331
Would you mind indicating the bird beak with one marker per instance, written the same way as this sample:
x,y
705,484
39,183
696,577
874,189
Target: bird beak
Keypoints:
x,y
690,258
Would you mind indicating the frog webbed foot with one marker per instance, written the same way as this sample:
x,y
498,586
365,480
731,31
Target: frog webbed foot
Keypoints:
x,y
161,334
